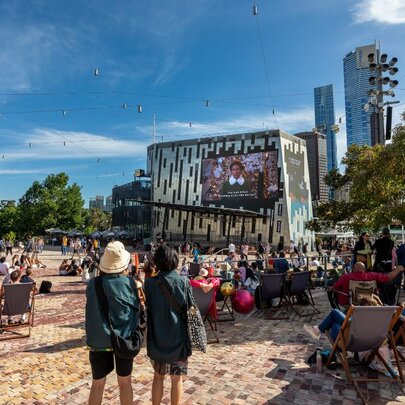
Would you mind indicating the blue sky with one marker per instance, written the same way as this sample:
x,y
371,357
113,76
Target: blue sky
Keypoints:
x,y
168,56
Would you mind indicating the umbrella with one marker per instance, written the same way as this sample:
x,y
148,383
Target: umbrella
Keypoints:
x,y
75,233
109,233
55,231
124,234
96,235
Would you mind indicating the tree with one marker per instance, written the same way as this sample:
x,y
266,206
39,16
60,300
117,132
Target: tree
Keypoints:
x,y
8,218
52,203
95,220
376,176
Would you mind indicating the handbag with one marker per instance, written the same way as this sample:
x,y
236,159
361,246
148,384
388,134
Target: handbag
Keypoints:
x,y
197,335
124,348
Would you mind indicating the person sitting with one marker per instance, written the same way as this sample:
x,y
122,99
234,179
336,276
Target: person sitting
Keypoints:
x,y
36,263
242,265
15,261
333,322
341,287
207,283
4,266
251,282
15,277
184,268
63,268
281,265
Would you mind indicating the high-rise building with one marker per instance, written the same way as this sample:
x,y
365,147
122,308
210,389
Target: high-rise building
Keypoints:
x,y
317,164
108,204
356,78
97,202
325,121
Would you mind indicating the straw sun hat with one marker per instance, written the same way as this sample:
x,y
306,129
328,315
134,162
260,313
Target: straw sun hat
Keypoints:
x,y
115,258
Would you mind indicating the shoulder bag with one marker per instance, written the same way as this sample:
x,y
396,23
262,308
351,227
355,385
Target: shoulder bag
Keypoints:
x,y
124,348
197,335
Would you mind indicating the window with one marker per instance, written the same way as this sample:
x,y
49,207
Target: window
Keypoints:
x,y
280,210
278,226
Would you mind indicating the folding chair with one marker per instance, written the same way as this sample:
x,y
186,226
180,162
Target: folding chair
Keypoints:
x,y
299,286
18,299
366,329
272,286
359,289
205,301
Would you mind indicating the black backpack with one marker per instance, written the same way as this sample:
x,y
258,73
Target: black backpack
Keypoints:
x,y
45,287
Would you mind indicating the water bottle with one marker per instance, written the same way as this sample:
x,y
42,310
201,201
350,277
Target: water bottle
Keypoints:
x,y
319,364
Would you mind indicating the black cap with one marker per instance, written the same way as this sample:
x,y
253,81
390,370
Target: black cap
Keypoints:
x,y
386,232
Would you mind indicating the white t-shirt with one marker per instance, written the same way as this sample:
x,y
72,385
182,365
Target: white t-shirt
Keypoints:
x,y
231,248
4,268
251,284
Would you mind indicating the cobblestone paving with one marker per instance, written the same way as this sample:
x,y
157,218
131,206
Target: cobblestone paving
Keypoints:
x,y
258,361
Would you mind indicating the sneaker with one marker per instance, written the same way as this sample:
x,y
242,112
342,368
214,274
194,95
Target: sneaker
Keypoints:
x,y
312,331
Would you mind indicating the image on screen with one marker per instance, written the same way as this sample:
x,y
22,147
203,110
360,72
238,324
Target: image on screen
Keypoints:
x,y
250,176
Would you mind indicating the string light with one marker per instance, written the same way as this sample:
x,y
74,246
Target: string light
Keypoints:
x,y
96,72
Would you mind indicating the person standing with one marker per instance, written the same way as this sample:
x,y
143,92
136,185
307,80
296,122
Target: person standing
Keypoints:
x,y
9,247
64,244
167,341
29,247
383,248
362,250
123,306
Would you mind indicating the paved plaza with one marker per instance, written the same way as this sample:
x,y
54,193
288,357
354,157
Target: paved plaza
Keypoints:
x,y
258,361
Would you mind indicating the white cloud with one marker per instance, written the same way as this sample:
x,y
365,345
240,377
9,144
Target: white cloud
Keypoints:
x,y
20,171
380,11
52,144
297,121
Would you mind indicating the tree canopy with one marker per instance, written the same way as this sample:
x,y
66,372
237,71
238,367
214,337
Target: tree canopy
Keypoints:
x,y
376,179
51,203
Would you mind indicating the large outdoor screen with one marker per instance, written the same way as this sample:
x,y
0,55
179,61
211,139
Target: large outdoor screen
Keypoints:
x,y
239,180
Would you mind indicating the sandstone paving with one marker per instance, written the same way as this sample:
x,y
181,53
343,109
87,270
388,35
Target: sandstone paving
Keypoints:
x,y
258,360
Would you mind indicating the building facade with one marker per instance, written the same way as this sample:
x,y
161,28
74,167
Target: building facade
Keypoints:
x,y
97,202
356,81
128,213
317,164
325,121
265,172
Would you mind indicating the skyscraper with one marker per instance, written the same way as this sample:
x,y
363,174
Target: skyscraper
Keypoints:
x,y
356,75
325,121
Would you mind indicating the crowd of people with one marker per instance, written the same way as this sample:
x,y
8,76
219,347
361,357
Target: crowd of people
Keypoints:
x,y
128,291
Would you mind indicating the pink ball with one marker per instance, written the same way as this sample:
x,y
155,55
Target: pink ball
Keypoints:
x,y
243,302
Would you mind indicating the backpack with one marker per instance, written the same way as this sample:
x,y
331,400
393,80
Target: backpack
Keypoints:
x,y
45,287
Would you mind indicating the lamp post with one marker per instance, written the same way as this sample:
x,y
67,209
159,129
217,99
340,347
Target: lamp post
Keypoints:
x,y
378,64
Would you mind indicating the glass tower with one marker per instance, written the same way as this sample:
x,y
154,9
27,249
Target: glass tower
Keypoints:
x,y
356,75
325,121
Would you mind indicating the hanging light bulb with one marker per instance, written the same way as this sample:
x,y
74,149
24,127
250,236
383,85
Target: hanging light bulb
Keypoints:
x,y
64,143
96,72
190,124
254,9
98,160
139,108
124,106
30,144
207,103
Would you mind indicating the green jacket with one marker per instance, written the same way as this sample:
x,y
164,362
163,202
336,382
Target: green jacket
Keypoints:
x,y
167,340
123,303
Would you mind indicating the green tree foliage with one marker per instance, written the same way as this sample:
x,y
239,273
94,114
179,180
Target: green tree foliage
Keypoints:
x,y
96,220
52,203
8,218
376,177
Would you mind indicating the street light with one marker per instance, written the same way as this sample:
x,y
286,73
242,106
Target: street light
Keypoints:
x,y
378,64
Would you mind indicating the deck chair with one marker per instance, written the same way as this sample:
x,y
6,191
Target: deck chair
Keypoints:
x,y
194,270
204,302
366,329
358,289
272,286
18,299
299,287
